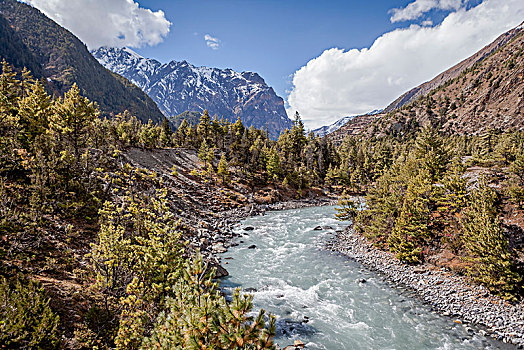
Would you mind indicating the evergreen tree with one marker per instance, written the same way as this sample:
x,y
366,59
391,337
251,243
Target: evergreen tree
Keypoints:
x,y
72,120
411,229
223,169
487,247
203,152
273,164
430,150
204,127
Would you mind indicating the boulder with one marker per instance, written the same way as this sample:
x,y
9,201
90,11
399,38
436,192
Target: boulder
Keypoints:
x,y
221,272
249,228
252,246
318,228
219,248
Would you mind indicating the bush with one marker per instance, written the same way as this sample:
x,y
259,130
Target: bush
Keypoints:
x,y
26,320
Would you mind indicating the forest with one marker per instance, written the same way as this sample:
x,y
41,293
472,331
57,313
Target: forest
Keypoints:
x,y
71,203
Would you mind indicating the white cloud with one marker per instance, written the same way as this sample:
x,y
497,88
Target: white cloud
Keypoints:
x,y
340,83
213,43
107,22
417,8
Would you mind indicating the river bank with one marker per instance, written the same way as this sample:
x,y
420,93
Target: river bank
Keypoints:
x,y
446,293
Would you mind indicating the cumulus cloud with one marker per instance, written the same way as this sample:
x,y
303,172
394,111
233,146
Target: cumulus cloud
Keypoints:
x,y
213,43
418,8
107,22
340,83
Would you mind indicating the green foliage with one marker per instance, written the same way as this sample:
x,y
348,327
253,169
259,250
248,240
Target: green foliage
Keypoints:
x,y
198,317
273,164
223,169
487,247
26,320
67,60
348,208
411,230
429,150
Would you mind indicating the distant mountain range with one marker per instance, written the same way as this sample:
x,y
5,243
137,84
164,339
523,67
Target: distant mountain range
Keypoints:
x,y
177,87
328,129
483,92
30,39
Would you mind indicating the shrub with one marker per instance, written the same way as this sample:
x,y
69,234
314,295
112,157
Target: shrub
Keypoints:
x,y
26,320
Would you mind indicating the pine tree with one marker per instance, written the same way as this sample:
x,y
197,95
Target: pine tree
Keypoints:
x,y
411,227
273,164
430,150
223,169
204,126
72,119
203,152
486,245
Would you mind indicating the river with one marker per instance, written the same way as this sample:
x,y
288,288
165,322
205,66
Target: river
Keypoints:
x,y
326,300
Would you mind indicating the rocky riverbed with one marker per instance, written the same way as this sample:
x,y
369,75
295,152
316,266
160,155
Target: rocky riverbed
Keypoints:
x,y
218,237
445,292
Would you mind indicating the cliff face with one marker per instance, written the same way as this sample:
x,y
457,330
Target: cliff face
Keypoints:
x,y
31,39
177,87
483,92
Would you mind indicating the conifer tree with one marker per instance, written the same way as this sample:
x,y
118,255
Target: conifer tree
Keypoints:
x,y
203,152
411,229
273,164
204,126
72,119
487,247
223,169
430,150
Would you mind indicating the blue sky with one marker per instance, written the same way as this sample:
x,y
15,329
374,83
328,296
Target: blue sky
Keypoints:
x,y
327,59
271,37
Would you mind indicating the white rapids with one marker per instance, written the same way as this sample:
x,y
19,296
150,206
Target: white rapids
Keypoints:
x,y
326,300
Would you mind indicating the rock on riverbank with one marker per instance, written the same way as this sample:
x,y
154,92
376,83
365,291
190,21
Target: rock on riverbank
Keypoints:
x,y
447,293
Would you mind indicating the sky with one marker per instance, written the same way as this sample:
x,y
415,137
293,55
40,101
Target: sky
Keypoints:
x,y
327,59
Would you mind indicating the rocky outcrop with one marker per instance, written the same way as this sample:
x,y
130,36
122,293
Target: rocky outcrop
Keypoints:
x,y
177,87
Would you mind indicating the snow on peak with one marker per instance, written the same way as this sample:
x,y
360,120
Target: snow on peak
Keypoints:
x,y
132,53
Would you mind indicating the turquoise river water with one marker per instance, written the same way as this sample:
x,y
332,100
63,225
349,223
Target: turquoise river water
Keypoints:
x,y
320,298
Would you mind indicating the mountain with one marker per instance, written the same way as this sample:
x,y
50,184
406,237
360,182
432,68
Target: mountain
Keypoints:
x,y
30,39
177,87
453,72
328,129
481,93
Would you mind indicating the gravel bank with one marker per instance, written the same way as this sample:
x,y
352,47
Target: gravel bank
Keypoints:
x,y
446,293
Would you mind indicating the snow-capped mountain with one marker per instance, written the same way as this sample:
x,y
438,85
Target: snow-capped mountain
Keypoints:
x,y
328,129
177,87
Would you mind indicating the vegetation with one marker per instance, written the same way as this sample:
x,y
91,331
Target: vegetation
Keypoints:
x,y
421,203
26,320
66,190
33,40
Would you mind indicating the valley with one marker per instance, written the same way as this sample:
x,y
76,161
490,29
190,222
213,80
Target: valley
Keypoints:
x,y
151,205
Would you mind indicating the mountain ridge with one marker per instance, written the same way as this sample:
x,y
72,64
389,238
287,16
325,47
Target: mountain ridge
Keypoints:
x,y
480,93
54,53
177,87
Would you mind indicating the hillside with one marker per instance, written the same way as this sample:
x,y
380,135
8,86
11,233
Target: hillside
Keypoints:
x,y
481,93
32,40
177,87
